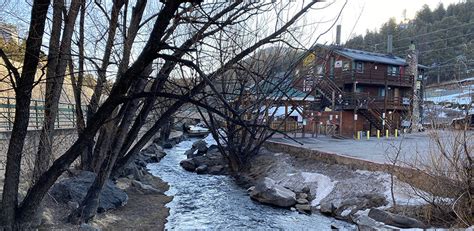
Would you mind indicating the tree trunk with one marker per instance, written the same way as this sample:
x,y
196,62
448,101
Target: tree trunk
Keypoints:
x,y
89,205
36,193
165,130
22,113
161,78
87,157
54,85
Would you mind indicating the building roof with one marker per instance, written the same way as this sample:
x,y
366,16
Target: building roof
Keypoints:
x,y
280,86
360,55
371,56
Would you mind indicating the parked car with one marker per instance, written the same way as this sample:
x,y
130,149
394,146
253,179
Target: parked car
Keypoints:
x,y
198,130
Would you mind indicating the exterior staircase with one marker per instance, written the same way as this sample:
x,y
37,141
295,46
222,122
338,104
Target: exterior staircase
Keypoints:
x,y
332,95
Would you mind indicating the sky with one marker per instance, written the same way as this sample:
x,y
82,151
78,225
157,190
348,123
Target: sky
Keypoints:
x,y
358,16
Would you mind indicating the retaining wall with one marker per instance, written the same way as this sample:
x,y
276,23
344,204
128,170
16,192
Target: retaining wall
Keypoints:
x,y
63,139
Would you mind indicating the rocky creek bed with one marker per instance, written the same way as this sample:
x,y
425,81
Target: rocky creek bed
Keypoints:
x,y
301,193
216,202
309,187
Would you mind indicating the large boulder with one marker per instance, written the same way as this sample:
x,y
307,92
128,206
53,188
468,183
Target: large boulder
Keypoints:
x,y
268,192
365,223
190,153
74,189
303,208
167,145
395,219
217,170
152,154
344,208
201,146
144,188
188,165
202,169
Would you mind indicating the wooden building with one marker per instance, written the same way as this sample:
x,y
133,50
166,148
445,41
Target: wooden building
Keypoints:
x,y
372,91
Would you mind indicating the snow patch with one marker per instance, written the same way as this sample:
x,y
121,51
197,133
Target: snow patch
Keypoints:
x,y
210,140
325,185
346,212
403,193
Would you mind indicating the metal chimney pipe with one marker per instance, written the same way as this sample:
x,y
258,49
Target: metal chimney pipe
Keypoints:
x,y
338,35
389,44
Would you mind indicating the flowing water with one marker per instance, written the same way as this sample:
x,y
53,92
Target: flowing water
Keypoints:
x,y
216,202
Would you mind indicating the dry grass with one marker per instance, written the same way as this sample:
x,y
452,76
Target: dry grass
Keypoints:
x,y
448,169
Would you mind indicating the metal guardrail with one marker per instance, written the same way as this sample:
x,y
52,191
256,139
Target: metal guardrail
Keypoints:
x,y
66,116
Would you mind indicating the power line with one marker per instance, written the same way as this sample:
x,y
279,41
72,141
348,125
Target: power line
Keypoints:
x,y
447,65
432,32
442,48
404,47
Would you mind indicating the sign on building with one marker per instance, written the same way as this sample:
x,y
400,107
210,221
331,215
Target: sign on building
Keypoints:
x,y
418,85
338,64
309,59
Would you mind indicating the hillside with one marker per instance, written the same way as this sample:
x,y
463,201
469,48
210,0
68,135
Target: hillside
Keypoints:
x,y
444,37
67,95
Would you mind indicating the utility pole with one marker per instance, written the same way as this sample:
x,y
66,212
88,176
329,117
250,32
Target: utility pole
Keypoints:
x,y
412,60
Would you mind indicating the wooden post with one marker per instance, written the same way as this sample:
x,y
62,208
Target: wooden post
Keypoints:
x,y
333,98
36,114
319,129
57,116
378,134
286,116
368,134
73,116
9,118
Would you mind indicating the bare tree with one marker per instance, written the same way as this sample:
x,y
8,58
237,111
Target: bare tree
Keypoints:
x,y
58,58
23,87
109,140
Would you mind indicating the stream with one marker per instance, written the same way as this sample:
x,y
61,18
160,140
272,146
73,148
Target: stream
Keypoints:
x,y
217,203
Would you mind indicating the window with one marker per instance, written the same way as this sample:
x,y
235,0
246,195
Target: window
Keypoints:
x,y
319,69
393,70
382,91
346,66
360,67
308,84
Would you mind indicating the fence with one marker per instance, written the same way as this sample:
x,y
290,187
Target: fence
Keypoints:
x,y
311,128
65,118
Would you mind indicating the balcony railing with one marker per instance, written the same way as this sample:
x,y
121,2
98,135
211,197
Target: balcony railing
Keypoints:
x,y
351,100
370,78
392,102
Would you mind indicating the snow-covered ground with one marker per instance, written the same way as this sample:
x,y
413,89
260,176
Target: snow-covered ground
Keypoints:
x,y
461,95
334,182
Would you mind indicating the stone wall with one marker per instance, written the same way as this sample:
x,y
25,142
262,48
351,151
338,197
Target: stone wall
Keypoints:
x,y
63,139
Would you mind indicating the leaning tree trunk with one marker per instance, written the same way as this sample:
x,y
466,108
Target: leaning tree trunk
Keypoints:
x,y
54,84
88,207
22,113
87,154
77,88
125,156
